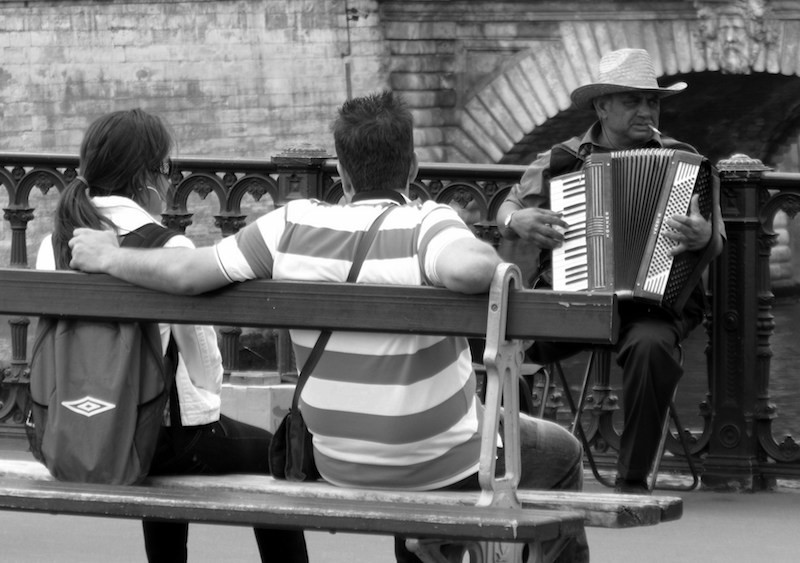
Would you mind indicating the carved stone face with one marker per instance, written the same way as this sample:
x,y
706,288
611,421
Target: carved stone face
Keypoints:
x,y
735,33
734,43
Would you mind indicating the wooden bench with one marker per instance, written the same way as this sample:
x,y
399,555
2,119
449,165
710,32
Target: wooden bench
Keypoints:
x,y
488,524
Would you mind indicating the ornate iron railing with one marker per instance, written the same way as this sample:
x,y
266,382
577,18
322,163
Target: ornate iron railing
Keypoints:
x,y
735,446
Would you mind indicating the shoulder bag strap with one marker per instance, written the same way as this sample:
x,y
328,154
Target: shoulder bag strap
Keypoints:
x,y
361,253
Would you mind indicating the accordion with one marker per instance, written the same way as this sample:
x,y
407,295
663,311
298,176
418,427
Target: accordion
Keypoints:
x,y
617,208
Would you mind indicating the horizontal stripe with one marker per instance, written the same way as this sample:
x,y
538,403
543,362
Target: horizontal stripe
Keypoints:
x,y
427,234
369,343
401,271
391,429
231,261
337,244
386,398
307,268
438,246
380,364
365,451
457,463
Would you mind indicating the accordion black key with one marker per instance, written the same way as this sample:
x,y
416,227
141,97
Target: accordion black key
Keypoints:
x,y
617,208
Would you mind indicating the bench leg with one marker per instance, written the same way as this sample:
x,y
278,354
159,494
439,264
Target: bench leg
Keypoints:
x,y
445,551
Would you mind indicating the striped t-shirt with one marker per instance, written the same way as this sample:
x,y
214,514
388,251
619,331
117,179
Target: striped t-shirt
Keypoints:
x,y
386,410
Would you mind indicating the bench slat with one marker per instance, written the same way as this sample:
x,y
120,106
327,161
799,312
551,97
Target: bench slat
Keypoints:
x,y
573,316
606,510
219,506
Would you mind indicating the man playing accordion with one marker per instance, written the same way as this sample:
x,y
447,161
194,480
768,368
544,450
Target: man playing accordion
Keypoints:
x,y
626,98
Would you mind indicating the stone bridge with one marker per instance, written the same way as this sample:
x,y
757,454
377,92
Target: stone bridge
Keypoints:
x,y
491,80
488,82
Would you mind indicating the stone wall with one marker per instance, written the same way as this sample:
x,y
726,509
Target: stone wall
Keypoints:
x,y
240,78
234,79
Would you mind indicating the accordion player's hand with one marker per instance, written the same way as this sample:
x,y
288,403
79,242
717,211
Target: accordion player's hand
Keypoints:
x,y
543,227
691,231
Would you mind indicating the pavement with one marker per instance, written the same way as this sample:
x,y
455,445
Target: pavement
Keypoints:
x,y
724,527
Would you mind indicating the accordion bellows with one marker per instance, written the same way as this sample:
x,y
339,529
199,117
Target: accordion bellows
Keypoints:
x,y
617,208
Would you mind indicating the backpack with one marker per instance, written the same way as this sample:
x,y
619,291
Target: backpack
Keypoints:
x,y
98,392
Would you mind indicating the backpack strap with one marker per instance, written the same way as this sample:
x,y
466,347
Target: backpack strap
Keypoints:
x,y
171,366
153,235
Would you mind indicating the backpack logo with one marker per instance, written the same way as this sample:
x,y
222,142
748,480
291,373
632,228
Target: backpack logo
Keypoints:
x,y
88,406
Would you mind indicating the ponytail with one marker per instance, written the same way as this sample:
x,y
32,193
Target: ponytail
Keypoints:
x,y
119,153
74,210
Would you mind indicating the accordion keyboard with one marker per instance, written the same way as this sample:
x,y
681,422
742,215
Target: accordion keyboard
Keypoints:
x,y
570,267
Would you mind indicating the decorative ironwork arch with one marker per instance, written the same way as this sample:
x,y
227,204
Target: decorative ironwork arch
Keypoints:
x,y
43,178
255,185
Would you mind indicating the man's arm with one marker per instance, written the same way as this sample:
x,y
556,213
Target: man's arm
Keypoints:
x,y
467,265
186,271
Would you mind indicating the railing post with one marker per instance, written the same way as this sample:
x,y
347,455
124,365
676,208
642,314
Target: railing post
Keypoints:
x,y
299,177
300,173
229,348
742,324
19,346
19,217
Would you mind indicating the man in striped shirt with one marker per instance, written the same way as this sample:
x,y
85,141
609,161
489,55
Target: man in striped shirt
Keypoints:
x,y
386,410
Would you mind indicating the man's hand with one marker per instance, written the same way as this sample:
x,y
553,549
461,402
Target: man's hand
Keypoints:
x,y
692,231
543,227
91,250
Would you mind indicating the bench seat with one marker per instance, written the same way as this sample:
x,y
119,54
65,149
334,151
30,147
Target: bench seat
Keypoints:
x,y
281,510
604,510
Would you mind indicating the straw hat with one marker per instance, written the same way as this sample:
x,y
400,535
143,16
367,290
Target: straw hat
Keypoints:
x,y
624,70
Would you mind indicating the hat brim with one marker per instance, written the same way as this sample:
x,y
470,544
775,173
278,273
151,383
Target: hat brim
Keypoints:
x,y
582,97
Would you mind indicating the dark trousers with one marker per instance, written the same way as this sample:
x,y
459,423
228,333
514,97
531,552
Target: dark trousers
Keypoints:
x,y
552,459
646,352
226,446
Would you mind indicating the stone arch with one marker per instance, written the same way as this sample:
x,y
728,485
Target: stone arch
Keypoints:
x,y
532,88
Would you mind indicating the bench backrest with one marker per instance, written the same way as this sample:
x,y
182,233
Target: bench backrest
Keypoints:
x,y
505,317
531,314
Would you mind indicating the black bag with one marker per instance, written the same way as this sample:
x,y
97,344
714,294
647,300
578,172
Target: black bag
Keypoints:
x,y
291,451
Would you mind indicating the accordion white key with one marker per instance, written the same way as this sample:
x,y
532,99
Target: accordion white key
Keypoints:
x,y
617,208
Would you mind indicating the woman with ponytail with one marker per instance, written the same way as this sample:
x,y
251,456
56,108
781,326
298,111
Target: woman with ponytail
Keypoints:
x,y
124,175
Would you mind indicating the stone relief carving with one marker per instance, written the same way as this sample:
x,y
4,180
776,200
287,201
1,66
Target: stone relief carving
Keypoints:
x,y
735,32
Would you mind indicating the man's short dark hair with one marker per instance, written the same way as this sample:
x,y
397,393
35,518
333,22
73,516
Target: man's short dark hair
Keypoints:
x,y
374,141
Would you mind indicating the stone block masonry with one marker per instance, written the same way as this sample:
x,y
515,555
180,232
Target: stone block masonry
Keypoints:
x,y
234,79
